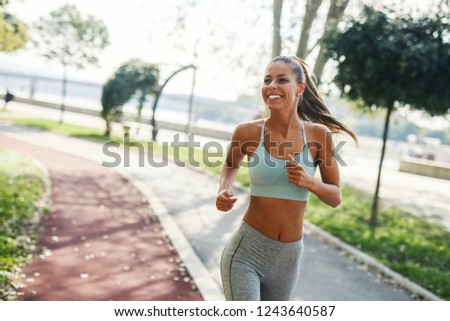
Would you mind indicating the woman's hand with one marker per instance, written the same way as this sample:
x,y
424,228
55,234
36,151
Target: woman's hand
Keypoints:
x,y
298,176
225,200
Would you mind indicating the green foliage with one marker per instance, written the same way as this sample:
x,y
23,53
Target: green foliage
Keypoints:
x,y
69,38
21,187
13,33
68,129
114,96
384,59
133,78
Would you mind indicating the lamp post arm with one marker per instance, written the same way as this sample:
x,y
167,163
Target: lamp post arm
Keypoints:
x,y
158,94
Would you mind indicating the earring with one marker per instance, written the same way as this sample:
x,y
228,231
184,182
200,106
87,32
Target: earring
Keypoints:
x,y
298,94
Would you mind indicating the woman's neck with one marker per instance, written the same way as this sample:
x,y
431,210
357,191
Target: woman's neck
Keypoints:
x,y
283,123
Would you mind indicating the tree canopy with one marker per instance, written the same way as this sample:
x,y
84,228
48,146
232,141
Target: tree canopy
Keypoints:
x,y
383,60
69,38
13,32
134,78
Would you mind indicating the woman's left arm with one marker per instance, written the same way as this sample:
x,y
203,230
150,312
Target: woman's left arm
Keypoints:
x,y
328,189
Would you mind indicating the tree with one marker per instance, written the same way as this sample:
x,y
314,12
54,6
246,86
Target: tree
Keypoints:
x,y
113,99
13,32
335,14
131,79
277,8
70,39
388,62
310,15
143,80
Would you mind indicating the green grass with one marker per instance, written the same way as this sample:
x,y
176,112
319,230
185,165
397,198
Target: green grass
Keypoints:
x,y
64,128
22,186
410,245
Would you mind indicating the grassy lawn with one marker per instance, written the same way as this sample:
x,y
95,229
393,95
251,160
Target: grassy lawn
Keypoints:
x,y
410,245
22,187
68,129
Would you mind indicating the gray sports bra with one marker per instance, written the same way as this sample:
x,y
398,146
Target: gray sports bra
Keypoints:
x,y
268,175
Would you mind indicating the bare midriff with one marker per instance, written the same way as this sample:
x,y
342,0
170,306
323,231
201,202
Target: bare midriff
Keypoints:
x,y
278,219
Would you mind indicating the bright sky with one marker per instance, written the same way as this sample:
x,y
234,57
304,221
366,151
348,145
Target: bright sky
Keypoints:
x,y
222,29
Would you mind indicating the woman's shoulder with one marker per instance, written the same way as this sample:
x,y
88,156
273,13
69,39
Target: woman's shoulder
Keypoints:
x,y
248,130
316,129
318,135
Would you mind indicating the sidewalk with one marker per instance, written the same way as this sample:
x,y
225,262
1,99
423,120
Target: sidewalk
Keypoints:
x,y
187,197
100,241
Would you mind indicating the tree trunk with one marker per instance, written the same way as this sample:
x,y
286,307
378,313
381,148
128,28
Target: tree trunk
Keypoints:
x,y
374,209
335,14
142,100
277,8
64,91
310,15
108,128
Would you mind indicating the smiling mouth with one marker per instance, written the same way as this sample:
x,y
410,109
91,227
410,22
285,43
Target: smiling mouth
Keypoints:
x,y
274,96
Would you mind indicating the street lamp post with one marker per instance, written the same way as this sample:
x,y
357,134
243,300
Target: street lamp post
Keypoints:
x,y
155,102
191,103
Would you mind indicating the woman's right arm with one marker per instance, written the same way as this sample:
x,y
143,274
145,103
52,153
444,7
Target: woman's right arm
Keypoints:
x,y
235,155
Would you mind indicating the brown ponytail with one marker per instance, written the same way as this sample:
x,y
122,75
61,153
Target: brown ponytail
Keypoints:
x,y
311,106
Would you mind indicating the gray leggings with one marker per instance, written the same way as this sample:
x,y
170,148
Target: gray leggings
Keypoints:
x,y
254,267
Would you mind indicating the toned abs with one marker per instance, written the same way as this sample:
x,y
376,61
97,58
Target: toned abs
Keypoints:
x,y
279,219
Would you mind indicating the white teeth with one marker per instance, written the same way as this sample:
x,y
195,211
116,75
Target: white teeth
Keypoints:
x,y
274,96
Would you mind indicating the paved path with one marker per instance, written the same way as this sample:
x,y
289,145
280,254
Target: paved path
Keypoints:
x,y
101,241
327,273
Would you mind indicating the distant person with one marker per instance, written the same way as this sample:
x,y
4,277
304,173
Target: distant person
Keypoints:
x,y
262,259
8,97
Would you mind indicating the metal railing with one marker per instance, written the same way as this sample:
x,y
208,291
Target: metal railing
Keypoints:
x,y
201,131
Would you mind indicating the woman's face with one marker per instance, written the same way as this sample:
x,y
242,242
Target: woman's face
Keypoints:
x,y
280,88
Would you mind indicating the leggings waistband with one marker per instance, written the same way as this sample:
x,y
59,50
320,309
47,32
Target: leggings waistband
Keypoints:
x,y
257,236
